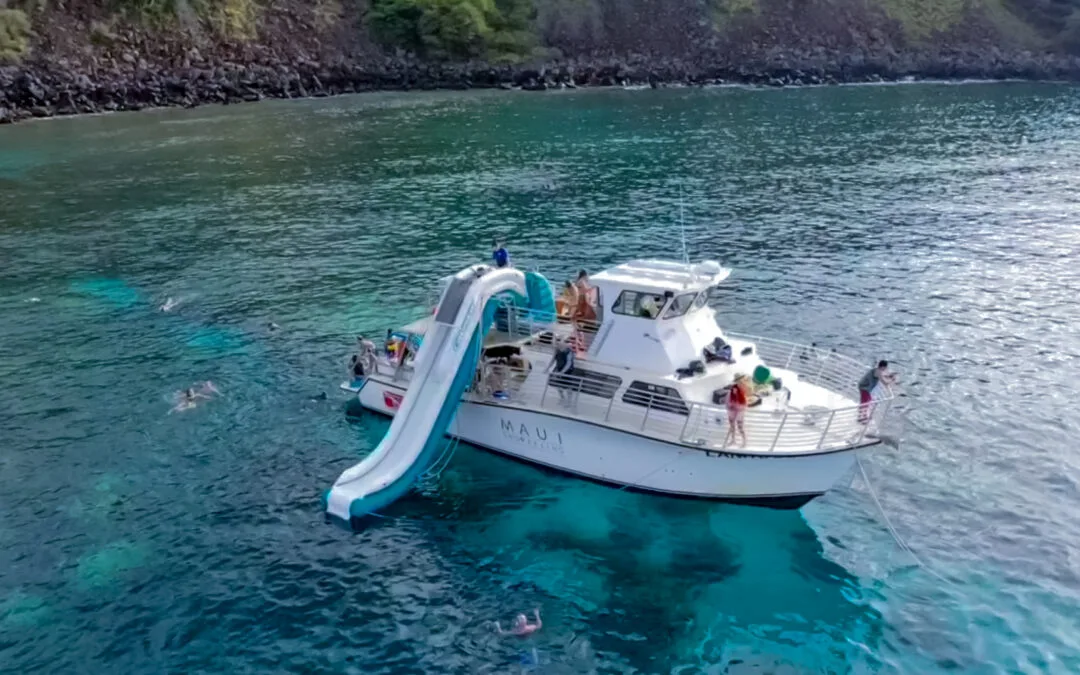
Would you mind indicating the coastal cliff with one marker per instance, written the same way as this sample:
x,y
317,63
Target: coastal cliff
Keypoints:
x,y
83,56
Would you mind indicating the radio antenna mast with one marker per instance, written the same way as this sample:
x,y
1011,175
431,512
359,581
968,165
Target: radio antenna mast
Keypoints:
x,y
682,226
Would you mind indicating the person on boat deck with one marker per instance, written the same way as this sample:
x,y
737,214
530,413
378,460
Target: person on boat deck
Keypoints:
x,y
407,351
393,346
648,309
567,300
737,400
585,311
561,365
365,354
868,383
365,346
499,254
356,367
582,283
521,625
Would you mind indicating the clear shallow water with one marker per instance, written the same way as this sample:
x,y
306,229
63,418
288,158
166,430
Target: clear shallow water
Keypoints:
x,y
936,225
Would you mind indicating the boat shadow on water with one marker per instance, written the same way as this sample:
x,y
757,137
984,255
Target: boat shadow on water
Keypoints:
x,y
720,585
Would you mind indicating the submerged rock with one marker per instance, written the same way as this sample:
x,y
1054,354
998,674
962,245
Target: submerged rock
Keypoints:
x,y
106,566
24,610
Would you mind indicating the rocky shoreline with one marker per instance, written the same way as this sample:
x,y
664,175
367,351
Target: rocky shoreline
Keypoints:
x,y
47,88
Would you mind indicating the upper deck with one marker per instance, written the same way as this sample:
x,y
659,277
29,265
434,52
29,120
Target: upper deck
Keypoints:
x,y
662,276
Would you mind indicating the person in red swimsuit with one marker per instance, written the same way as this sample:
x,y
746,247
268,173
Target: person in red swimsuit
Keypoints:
x,y
736,411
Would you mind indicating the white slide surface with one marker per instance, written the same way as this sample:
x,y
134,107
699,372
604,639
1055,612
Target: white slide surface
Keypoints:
x,y
445,347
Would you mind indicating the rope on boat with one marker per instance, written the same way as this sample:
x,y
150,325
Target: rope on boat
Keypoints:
x,y
439,465
892,530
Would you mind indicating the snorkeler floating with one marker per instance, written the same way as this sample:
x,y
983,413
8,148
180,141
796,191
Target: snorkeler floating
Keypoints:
x,y
170,305
190,397
521,625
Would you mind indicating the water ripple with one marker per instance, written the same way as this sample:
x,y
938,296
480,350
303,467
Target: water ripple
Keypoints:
x,y
934,225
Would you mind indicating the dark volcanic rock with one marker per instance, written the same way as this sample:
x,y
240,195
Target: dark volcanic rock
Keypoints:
x,y
132,80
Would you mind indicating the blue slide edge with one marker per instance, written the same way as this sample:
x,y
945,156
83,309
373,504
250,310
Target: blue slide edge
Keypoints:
x,y
541,298
437,438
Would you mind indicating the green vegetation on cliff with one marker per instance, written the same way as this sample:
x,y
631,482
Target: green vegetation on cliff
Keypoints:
x,y
494,29
516,30
921,19
14,35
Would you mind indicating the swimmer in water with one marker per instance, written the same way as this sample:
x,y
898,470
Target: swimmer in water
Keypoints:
x,y
189,398
272,326
170,304
521,625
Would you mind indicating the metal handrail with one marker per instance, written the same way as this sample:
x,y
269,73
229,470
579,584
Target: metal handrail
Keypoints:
x,y
826,368
791,430
533,319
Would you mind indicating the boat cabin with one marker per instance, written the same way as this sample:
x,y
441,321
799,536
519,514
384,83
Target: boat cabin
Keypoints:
x,y
656,314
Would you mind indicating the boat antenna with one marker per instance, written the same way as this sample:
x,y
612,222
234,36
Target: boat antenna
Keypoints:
x,y
682,226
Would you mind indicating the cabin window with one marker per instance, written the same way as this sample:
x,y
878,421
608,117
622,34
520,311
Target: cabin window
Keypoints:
x,y
588,382
634,303
701,300
680,305
655,396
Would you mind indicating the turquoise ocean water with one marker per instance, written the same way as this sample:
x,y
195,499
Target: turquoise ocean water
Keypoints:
x,y
935,225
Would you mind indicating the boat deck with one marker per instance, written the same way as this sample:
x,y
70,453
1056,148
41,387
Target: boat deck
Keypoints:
x,y
808,422
815,418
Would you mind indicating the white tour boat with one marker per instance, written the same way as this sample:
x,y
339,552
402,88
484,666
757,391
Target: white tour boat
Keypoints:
x,y
642,407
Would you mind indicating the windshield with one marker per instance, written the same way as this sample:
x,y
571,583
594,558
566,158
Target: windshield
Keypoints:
x,y
680,305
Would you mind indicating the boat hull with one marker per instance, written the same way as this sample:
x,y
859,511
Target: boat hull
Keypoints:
x,y
631,461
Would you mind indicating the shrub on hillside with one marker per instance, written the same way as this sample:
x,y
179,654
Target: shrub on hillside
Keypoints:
x,y
14,35
454,29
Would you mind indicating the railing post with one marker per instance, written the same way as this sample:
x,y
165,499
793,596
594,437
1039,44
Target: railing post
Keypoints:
x,y
543,396
825,431
888,407
611,402
821,369
645,420
865,426
686,424
779,430
790,356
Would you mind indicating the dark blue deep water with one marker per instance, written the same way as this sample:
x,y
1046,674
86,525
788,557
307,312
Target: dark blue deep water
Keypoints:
x,y
935,225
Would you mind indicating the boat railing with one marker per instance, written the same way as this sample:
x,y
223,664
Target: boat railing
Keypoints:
x,y
773,426
523,322
818,366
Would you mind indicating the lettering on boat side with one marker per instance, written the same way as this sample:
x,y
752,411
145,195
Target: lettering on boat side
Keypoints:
x,y
536,435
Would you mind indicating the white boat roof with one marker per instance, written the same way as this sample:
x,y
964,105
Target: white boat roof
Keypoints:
x,y
664,275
